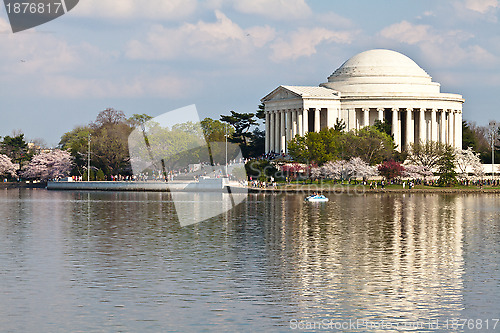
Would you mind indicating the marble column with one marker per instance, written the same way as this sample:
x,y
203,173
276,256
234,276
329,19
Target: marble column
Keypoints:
x,y
410,128
380,114
305,121
434,128
317,123
277,135
458,142
396,130
366,117
294,123
458,129
442,123
288,128
267,132
300,120
450,128
423,130
282,132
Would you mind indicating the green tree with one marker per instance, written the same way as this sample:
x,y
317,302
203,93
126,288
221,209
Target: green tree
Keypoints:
x,y
339,125
257,144
100,175
260,114
368,143
383,127
469,138
242,123
297,149
109,143
76,142
216,130
330,144
138,119
446,166
16,148
92,175
318,147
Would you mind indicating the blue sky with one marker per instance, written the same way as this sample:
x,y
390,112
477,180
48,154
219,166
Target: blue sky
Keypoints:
x,y
153,56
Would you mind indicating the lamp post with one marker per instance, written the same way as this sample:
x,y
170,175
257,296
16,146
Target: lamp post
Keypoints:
x,y
493,128
88,162
225,127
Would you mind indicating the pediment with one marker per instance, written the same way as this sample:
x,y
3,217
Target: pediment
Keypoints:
x,y
280,93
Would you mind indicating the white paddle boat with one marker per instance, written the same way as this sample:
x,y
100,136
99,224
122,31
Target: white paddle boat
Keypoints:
x,y
317,198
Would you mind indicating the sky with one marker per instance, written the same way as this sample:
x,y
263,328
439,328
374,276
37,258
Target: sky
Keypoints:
x,y
154,56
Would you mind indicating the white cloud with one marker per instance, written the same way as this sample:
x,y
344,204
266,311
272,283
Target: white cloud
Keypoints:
x,y
136,9
222,38
64,86
31,52
275,9
481,6
303,42
448,48
226,40
406,32
332,19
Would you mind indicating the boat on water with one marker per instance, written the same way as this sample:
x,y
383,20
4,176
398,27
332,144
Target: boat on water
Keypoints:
x,y
317,198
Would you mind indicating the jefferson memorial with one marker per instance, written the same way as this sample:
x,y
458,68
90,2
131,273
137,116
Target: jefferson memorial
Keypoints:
x,y
373,85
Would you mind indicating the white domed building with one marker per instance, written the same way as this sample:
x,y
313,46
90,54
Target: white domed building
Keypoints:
x,y
373,85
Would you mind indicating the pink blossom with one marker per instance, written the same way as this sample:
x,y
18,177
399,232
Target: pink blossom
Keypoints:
x,y
7,167
416,171
52,165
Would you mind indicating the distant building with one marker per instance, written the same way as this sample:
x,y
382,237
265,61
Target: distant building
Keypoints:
x,y
376,84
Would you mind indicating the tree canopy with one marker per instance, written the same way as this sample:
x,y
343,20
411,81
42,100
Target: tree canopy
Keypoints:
x,y
331,144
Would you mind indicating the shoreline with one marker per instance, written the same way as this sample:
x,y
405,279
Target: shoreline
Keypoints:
x,y
360,190
7,185
291,189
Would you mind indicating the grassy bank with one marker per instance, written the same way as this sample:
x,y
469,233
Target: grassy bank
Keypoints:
x,y
327,187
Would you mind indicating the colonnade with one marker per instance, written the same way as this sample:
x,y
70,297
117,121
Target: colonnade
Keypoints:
x,y
412,125
409,125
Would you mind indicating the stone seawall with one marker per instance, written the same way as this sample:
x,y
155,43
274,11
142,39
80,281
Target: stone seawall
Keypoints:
x,y
212,185
108,186
22,185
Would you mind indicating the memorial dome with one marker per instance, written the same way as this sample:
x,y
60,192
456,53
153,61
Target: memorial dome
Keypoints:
x,y
381,70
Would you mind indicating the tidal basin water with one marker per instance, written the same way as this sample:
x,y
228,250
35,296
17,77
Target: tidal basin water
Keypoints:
x,y
120,262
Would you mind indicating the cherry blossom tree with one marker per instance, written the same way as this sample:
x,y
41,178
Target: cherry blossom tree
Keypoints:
x,y
52,165
416,171
317,172
333,169
466,160
7,168
342,169
361,169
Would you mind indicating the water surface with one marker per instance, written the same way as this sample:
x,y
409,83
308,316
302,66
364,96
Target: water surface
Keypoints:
x,y
116,261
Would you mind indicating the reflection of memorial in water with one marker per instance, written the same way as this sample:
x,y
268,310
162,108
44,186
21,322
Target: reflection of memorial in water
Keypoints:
x,y
398,256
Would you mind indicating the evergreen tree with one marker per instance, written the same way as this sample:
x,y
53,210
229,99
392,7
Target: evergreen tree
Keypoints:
x,y
446,167
468,137
16,148
383,127
242,123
